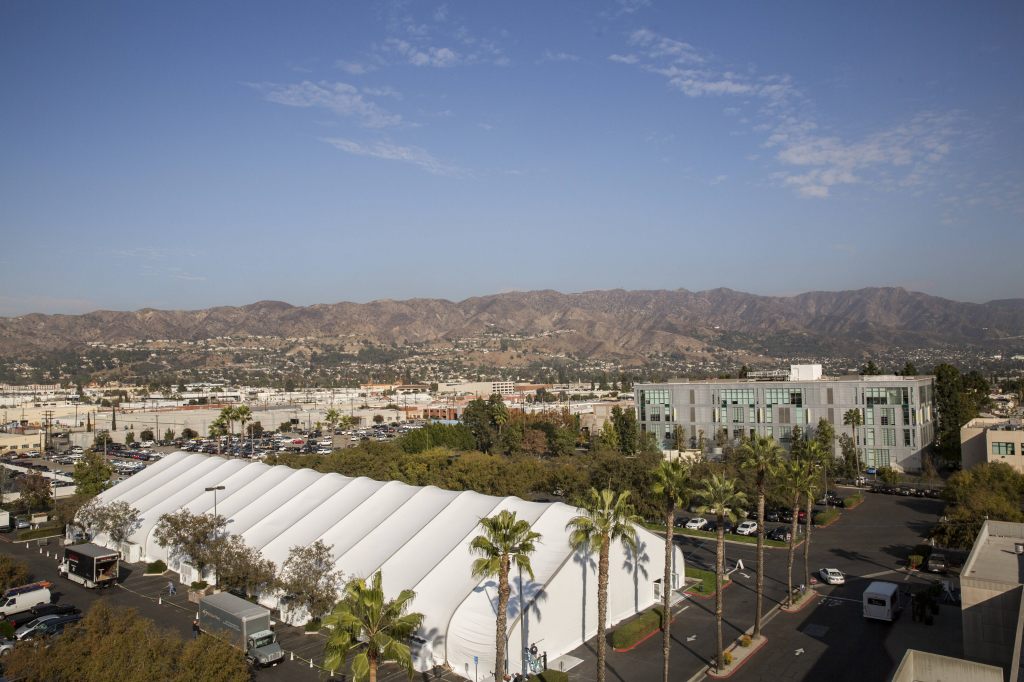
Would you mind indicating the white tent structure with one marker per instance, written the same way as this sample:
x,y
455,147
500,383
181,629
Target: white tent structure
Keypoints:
x,y
419,538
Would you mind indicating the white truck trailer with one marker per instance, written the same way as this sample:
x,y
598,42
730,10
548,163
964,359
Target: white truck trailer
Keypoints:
x,y
242,624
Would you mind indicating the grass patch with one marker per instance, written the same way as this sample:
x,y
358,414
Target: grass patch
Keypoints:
x,y
825,517
853,500
631,632
549,676
706,586
45,532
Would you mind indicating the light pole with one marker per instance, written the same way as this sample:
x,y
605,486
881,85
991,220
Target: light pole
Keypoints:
x,y
214,489
522,622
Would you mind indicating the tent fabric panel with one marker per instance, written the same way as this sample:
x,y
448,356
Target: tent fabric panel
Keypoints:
x,y
295,511
334,510
363,519
242,521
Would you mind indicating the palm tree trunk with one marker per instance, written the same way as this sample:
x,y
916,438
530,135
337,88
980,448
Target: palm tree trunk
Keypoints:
x,y
602,606
760,559
719,572
502,625
373,669
792,548
666,591
807,541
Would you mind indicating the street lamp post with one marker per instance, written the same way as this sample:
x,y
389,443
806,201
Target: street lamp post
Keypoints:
x,y
214,489
522,623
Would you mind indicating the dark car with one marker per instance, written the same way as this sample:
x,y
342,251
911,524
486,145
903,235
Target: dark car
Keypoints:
x,y
780,534
54,626
727,526
19,619
937,563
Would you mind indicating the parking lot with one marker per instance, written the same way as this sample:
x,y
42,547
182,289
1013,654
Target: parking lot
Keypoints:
x,y
868,543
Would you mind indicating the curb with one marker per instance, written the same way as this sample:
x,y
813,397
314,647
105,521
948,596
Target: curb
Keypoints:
x,y
753,649
811,595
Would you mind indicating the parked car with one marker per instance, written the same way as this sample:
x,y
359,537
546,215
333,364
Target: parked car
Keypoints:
x,y
727,527
6,646
55,626
747,528
780,534
18,619
832,576
697,523
937,563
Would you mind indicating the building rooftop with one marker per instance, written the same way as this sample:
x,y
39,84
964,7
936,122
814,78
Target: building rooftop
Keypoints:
x,y
994,557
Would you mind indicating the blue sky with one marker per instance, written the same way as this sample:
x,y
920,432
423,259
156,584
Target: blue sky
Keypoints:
x,y
189,154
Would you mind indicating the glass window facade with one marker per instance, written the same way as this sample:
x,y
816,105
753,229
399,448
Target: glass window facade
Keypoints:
x,y
1004,449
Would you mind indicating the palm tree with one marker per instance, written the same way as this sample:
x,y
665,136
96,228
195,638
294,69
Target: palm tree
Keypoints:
x,y
364,618
242,415
762,455
218,427
720,498
808,488
332,417
604,519
852,418
227,414
672,483
794,483
505,540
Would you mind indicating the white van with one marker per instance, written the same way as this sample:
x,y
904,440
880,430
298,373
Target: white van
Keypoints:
x,y
18,599
882,601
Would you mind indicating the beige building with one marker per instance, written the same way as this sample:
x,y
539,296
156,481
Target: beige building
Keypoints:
x,y
921,666
991,607
992,440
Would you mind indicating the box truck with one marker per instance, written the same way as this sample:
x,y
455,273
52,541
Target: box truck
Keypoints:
x,y
242,624
5,522
90,565
882,601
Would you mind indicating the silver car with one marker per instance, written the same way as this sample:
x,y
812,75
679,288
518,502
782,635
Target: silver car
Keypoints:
x,y
6,646
28,628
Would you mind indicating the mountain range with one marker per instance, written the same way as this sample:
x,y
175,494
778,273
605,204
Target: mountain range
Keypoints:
x,y
590,324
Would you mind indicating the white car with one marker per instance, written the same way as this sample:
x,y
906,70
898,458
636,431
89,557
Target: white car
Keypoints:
x,y
832,576
747,528
697,523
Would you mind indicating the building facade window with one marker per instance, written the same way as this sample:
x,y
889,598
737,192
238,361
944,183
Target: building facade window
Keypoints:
x,y
1003,449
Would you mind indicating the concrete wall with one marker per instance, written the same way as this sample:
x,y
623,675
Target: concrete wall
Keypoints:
x,y
919,666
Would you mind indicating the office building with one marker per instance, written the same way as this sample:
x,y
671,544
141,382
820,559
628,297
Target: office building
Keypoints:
x,y
897,413
992,440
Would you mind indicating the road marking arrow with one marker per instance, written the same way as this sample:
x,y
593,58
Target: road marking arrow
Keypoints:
x,y
691,638
745,575
798,652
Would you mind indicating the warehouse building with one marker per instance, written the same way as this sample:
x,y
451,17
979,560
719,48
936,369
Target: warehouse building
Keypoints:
x,y
897,415
418,537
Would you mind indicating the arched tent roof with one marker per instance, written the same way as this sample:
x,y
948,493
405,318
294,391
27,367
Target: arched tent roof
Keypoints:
x,y
418,538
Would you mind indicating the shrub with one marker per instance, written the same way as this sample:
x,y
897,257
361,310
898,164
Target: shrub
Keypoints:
x,y
549,676
198,585
44,532
915,560
6,629
631,632
313,625
825,517
727,657
157,566
745,641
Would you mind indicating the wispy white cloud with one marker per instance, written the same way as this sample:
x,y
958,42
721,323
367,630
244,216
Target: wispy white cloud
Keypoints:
x,y
812,162
428,55
553,56
341,98
389,151
631,6
382,91
355,68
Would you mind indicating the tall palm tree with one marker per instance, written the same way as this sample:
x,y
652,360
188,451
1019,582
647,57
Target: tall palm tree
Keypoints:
x,y
242,415
721,498
603,519
762,455
505,540
364,616
332,417
809,489
672,483
794,483
852,418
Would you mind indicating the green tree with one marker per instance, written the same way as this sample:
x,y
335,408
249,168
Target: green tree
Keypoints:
x,y
169,435
375,627
870,369
762,456
720,497
35,491
91,474
951,409
243,415
809,489
909,369
195,538
505,540
332,417
147,434
674,485
129,437
189,434
628,430
825,434
243,568
309,576
853,418
12,572
605,518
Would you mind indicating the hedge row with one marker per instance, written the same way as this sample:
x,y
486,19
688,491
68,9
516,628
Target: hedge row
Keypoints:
x,y
631,632
45,532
